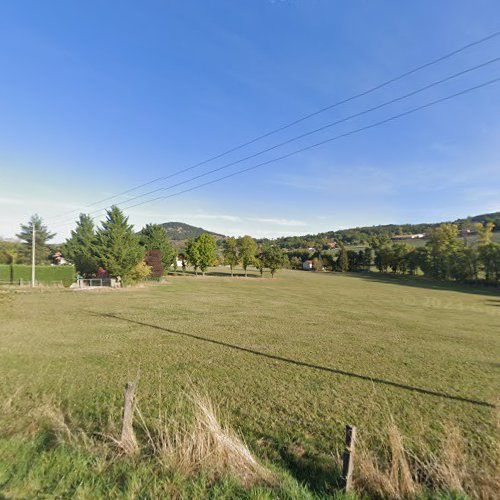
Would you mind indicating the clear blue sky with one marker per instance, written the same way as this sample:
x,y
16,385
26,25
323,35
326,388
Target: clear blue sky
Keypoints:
x,y
96,97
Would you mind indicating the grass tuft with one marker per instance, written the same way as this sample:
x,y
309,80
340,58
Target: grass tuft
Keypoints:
x,y
205,446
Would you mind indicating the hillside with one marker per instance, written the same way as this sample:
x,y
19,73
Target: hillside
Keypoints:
x,y
361,235
179,231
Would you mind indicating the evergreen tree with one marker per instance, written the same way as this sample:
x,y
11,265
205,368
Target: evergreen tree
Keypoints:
x,y
247,249
230,252
117,248
154,237
80,246
42,236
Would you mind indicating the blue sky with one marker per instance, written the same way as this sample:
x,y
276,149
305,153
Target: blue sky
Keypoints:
x,y
97,97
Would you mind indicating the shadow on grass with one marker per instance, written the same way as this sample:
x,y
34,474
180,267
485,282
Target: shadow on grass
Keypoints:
x,y
304,364
318,473
236,274
421,282
492,302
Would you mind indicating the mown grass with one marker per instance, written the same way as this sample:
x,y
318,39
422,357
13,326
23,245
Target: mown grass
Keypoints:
x,y
290,361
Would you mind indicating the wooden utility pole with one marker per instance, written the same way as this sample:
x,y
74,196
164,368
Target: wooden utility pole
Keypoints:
x,y
348,457
33,255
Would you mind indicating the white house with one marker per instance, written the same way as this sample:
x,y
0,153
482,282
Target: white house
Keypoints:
x,y
307,265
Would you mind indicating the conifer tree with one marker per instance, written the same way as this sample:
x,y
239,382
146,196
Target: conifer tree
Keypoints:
x,y
117,248
80,247
42,236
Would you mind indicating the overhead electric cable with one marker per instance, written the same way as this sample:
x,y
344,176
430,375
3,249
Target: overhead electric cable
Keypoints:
x,y
306,134
326,141
297,121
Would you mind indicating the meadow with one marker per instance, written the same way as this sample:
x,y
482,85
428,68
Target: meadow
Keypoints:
x,y
288,362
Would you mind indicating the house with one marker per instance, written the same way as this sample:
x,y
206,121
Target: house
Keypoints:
x,y
331,244
408,237
307,265
58,259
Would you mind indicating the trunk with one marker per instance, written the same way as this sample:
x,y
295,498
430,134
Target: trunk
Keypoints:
x,y
231,270
245,271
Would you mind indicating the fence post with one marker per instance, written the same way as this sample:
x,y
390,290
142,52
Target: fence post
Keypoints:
x,y
348,457
127,440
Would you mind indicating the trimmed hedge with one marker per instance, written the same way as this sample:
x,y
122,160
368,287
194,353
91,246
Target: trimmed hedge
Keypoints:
x,y
44,274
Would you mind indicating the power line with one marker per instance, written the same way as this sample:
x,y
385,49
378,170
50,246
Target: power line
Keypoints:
x,y
331,139
299,120
306,134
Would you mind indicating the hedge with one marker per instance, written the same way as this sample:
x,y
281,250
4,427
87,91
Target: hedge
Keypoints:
x,y
44,274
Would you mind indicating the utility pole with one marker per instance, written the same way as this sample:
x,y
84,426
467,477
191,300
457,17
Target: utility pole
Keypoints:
x,y
33,256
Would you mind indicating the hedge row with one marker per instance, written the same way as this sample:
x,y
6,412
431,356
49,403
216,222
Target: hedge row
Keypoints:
x,y
44,274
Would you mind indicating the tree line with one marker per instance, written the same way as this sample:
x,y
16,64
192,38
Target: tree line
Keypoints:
x,y
115,249
445,256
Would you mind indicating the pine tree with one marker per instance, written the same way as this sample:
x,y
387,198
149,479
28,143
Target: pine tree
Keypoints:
x,y
117,247
42,236
80,247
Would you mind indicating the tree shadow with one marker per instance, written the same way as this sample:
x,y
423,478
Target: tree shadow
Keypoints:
x,y
236,274
359,376
317,472
421,282
493,303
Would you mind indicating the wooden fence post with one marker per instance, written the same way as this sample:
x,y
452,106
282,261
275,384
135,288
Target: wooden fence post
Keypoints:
x,y
128,441
348,457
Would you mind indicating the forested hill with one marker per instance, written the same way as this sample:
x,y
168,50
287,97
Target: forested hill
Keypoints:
x,y
179,231
360,235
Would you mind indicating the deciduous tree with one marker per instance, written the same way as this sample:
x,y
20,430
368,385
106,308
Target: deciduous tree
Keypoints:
x,y
247,249
154,237
230,253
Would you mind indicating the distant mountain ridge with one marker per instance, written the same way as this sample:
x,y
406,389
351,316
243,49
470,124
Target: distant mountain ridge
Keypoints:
x,y
179,231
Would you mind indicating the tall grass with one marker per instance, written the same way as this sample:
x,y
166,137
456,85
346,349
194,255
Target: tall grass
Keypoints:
x,y
399,471
196,444
204,445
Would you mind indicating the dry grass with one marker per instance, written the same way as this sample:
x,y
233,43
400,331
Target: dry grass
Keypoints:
x,y
205,446
401,473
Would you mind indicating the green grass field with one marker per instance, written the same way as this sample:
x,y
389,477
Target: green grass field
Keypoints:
x,y
289,360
